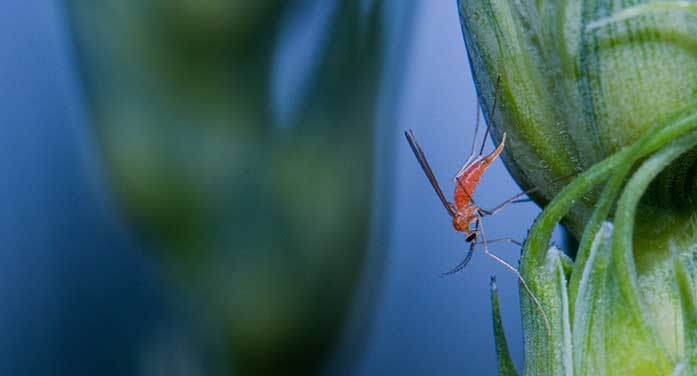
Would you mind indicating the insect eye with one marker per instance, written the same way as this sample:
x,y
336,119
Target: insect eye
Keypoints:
x,y
471,237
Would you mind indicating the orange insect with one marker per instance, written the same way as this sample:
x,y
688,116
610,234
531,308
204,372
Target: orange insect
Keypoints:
x,y
465,213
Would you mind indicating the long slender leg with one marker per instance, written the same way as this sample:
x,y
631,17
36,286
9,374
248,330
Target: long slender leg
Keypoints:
x,y
486,134
505,240
513,200
473,150
519,197
476,130
491,115
517,273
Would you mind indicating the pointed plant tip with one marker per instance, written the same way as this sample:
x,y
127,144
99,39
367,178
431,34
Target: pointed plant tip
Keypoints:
x,y
505,363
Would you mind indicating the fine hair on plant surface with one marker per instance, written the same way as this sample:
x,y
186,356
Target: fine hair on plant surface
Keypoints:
x,y
606,91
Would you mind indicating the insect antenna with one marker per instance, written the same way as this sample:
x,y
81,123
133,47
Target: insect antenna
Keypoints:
x,y
463,264
421,157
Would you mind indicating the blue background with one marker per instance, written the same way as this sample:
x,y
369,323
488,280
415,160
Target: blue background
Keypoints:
x,y
80,295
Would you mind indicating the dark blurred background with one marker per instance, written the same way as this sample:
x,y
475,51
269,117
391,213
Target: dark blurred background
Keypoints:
x,y
222,187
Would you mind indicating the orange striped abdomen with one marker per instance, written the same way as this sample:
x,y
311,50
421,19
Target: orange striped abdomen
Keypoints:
x,y
467,182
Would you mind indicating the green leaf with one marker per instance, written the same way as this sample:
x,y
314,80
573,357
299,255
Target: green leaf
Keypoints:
x,y
608,339
689,310
506,367
614,329
547,353
575,81
622,242
623,166
631,338
588,327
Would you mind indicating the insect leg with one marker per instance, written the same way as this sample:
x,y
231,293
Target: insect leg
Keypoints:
x,y
473,151
476,130
491,115
517,273
513,200
474,156
505,240
520,197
